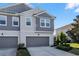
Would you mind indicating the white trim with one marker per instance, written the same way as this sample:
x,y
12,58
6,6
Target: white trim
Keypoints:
x,y
52,17
4,19
40,13
15,19
45,22
30,18
48,22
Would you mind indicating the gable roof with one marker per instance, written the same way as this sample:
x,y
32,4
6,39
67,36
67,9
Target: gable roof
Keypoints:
x,y
66,27
16,8
44,14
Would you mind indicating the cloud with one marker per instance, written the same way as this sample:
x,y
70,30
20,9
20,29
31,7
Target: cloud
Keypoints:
x,y
77,10
71,5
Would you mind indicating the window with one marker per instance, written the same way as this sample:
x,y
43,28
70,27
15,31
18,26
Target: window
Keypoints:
x,y
47,23
15,21
28,21
3,20
44,22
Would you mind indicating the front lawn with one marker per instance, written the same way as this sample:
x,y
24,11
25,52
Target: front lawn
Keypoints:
x,y
75,49
74,45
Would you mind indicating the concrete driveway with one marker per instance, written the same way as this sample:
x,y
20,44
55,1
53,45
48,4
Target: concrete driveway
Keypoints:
x,y
47,51
8,52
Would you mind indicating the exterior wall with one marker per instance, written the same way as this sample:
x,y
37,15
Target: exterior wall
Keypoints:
x,y
64,28
31,31
23,26
38,28
9,25
24,30
35,21
10,34
26,34
44,15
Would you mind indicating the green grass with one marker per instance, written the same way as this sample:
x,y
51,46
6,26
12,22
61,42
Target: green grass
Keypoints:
x,y
75,49
74,45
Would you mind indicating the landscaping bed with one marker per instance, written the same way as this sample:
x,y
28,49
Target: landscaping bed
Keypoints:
x,y
22,51
75,49
64,47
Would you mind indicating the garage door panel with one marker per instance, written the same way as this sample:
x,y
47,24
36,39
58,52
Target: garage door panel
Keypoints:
x,y
8,42
37,41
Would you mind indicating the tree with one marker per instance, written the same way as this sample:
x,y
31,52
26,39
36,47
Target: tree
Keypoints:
x,y
74,32
60,39
63,38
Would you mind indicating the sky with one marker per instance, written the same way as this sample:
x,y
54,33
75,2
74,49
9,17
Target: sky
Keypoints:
x,y
64,12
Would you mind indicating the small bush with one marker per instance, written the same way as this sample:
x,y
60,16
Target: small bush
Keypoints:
x,y
20,46
66,45
68,41
65,48
22,51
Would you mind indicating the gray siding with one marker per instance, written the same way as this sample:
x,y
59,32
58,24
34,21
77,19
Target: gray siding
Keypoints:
x,y
44,15
38,28
9,25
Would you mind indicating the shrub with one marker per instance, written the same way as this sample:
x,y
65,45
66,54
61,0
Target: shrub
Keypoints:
x,y
65,48
56,40
21,46
22,51
60,39
68,41
66,45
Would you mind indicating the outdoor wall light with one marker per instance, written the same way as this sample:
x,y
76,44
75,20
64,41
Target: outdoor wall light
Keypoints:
x,y
1,33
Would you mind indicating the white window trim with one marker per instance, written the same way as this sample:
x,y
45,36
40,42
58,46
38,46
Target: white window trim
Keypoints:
x,y
45,22
5,20
40,22
15,20
30,21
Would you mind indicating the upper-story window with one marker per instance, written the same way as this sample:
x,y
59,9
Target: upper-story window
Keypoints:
x,y
45,22
3,20
28,21
15,21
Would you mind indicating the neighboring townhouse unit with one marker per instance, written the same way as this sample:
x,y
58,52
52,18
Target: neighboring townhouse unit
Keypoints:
x,y
64,29
20,23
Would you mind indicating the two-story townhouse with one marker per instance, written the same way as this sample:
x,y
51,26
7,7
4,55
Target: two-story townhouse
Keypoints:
x,y
22,24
